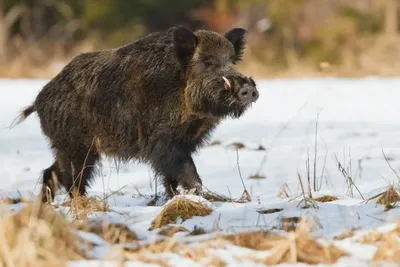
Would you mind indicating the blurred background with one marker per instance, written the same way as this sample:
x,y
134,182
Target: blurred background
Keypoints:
x,y
287,38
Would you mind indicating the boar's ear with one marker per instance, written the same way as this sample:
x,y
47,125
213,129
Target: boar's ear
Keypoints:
x,y
185,42
237,37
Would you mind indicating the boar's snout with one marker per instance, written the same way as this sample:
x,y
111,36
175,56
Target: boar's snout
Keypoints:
x,y
248,94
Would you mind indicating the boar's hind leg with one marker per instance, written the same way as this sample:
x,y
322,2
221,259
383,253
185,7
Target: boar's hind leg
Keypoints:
x,y
51,177
77,169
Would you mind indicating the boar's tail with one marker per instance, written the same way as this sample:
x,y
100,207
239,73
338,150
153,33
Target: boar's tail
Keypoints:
x,y
23,115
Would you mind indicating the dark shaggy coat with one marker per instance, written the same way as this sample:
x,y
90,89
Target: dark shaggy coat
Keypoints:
x,y
155,100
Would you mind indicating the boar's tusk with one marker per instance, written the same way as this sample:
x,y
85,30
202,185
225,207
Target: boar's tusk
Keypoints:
x,y
227,84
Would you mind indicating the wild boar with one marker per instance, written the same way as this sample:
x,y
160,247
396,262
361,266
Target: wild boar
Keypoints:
x,y
156,100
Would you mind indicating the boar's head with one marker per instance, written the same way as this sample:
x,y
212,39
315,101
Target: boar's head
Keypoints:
x,y
213,85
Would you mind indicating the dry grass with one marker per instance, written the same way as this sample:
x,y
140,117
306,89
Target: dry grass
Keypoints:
x,y
389,250
38,236
371,238
256,176
172,230
297,247
114,233
344,235
326,198
301,247
289,224
198,231
254,240
82,207
389,196
179,207
214,197
196,252
237,145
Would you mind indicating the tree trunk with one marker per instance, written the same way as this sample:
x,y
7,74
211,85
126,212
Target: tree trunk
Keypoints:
x,y
391,17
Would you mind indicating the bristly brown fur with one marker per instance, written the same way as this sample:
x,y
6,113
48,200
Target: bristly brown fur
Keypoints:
x,y
156,100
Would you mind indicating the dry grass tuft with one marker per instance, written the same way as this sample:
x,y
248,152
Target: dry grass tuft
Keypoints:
x,y
256,176
371,238
289,224
198,231
215,197
344,235
237,145
297,247
301,247
254,240
388,197
114,233
38,236
326,198
146,259
196,252
172,230
82,207
179,207
389,250
216,143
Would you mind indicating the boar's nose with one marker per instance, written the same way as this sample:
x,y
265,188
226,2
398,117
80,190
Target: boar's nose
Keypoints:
x,y
248,94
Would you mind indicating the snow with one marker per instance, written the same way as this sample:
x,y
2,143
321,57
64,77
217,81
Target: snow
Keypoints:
x,y
358,123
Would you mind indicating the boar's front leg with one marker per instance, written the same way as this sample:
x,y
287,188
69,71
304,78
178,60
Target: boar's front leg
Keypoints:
x,y
177,168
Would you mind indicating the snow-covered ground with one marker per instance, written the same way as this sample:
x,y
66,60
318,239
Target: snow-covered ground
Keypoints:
x,y
358,122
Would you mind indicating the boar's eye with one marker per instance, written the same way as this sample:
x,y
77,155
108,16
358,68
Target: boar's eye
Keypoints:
x,y
208,64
